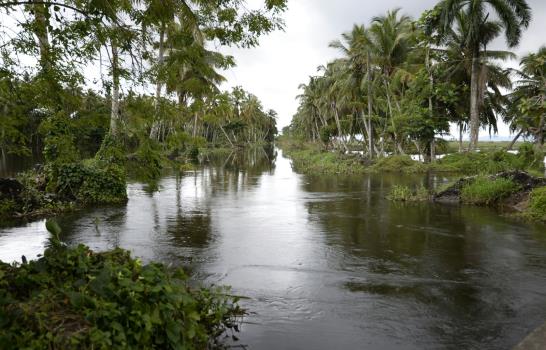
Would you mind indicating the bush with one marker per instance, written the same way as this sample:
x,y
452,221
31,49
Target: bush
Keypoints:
x,y
484,190
149,159
111,151
90,183
480,162
74,298
59,146
537,204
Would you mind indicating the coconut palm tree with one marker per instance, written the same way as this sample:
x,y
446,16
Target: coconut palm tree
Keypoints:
x,y
529,97
458,67
513,16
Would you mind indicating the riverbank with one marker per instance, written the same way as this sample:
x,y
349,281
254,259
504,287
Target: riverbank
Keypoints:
x,y
312,158
75,298
514,192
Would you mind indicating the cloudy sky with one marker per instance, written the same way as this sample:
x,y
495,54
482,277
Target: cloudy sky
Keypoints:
x,y
286,59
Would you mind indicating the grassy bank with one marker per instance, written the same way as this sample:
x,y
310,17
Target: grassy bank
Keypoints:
x,y
312,158
74,298
514,191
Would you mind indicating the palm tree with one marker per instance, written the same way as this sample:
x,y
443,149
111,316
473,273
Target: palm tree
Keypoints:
x,y
458,68
392,41
513,16
529,97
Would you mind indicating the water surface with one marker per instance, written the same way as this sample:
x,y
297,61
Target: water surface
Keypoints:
x,y
326,261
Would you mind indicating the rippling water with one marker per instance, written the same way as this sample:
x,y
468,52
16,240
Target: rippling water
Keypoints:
x,y
326,261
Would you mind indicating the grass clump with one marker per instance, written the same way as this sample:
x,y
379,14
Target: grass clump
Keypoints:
x,y
484,190
74,298
399,163
537,204
402,193
313,162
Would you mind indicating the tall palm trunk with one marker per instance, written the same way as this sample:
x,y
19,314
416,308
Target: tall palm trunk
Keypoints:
x,y
474,103
431,107
114,116
514,140
339,130
461,138
154,133
370,102
540,132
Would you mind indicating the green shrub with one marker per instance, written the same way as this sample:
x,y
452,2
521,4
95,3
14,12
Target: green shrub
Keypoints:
x,y
74,298
405,194
111,151
91,182
59,145
537,204
7,207
149,159
480,162
484,190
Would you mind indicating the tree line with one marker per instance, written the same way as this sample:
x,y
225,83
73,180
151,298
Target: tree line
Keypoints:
x,y
51,51
400,82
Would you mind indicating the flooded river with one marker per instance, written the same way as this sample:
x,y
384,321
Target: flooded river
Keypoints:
x,y
326,261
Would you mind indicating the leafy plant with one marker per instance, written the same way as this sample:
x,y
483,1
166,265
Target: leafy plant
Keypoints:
x,y
537,204
74,298
484,190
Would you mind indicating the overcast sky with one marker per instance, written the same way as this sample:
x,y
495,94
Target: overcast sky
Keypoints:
x,y
286,59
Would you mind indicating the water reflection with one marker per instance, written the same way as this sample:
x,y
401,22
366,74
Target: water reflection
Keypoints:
x,y
326,261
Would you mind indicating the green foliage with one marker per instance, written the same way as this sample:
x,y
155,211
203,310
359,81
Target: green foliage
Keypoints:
x,y
149,158
537,204
7,207
91,183
398,164
59,146
111,151
485,190
311,161
531,156
74,298
405,194
482,162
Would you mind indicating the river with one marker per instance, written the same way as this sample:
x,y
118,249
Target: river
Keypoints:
x,y
326,261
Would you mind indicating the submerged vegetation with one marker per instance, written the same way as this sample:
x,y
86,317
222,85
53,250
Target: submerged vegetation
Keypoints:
x,y
74,298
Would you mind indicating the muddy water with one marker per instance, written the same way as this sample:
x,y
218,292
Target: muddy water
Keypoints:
x,y
326,261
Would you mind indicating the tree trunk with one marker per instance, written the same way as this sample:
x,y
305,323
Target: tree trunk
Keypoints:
x,y
431,107
539,136
154,133
461,138
227,137
511,145
433,150
114,117
474,103
338,123
41,24
370,104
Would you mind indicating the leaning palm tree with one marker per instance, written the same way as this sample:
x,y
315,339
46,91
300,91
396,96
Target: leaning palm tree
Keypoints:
x,y
513,16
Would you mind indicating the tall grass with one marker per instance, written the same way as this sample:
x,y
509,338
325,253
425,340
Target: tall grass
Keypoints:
x,y
484,190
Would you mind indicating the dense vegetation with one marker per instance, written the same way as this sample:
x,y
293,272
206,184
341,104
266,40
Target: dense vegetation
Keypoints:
x,y
400,82
74,298
97,88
